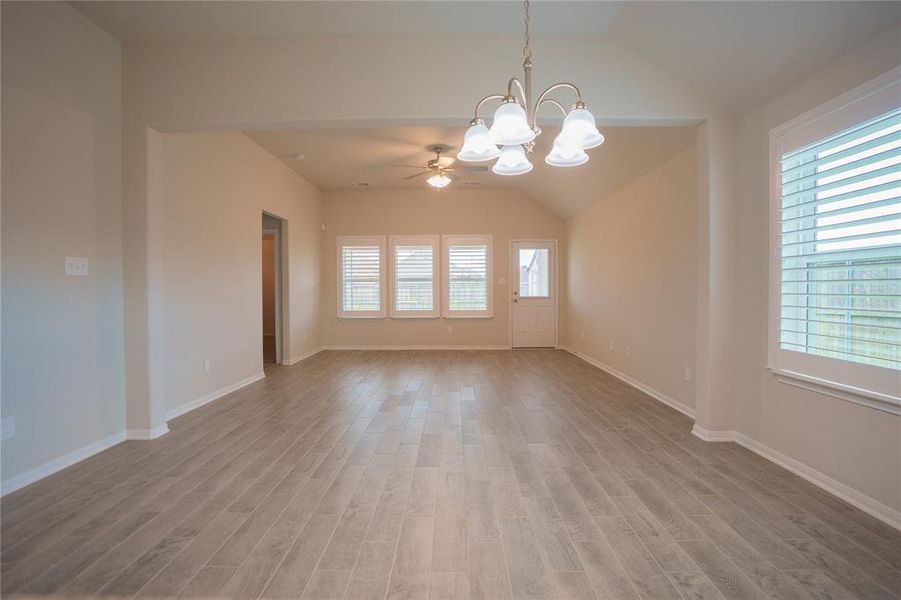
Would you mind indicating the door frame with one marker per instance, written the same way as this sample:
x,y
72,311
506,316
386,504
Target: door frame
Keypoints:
x,y
278,242
513,270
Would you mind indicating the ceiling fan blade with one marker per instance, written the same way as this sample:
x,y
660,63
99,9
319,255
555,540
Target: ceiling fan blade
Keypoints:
x,y
409,166
446,161
416,175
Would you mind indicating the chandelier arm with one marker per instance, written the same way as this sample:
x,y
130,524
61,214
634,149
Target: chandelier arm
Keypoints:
x,y
549,101
562,84
484,100
522,92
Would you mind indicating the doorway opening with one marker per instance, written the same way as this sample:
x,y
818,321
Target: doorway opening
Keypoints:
x,y
272,290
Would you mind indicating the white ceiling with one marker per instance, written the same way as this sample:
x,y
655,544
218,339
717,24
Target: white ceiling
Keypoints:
x,y
337,158
737,53
141,21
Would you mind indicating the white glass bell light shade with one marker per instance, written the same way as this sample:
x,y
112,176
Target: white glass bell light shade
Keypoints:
x,y
510,126
565,155
477,145
439,180
512,161
580,131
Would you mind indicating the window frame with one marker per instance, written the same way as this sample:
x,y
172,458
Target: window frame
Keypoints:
x,y
344,241
868,385
415,240
461,240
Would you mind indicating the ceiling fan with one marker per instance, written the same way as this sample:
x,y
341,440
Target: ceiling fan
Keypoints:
x,y
439,167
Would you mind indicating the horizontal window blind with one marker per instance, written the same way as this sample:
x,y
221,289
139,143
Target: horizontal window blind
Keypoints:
x,y
467,274
360,278
414,278
840,244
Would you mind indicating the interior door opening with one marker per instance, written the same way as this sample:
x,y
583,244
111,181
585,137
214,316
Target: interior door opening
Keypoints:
x,y
272,290
534,294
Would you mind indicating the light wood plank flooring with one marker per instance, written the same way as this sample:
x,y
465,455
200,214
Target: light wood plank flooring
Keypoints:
x,y
494,475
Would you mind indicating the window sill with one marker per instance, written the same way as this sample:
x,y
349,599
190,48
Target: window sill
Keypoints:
x,y
360,317
470,317
870,399
414,317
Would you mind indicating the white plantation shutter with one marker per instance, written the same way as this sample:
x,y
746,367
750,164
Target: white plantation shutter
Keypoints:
x,y
414,276
838,264
468,274
361,272
841,245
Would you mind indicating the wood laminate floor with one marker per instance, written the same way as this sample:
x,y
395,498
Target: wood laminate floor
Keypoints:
x,y
525,474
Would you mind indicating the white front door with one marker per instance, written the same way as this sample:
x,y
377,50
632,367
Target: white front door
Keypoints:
x,y
532,294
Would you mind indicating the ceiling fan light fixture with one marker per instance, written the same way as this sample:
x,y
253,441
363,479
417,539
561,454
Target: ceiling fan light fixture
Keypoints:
x,y
565,155
510,125
477,144
439,180
579,129
512,161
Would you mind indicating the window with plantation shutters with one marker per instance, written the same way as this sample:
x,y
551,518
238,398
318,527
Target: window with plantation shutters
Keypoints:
x,y
837,272
414,285
467,274
361,276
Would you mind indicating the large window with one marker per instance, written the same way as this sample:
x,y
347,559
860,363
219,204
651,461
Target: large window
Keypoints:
x,y
414,286
467,276
837,225
361,276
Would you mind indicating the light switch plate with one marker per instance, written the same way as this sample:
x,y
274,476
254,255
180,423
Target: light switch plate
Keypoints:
x,y
77,266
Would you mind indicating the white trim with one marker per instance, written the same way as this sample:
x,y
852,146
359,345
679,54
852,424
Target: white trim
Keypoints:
x,y
655,394
147,434
461,240
834,389
195,404
305,355
709,435
415,347
871,506
514,281
414,240
349,241
58,464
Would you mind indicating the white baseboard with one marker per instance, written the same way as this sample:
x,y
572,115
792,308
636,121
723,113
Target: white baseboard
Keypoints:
x,y
655,394
195,404
147,434
58,464
416,347
293,361
869,505
713,436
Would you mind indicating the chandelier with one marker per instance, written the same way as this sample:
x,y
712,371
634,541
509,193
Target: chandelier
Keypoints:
x,y
511,137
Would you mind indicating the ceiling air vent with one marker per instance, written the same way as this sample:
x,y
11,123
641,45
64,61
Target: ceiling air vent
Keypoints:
x,y
361,184
471,183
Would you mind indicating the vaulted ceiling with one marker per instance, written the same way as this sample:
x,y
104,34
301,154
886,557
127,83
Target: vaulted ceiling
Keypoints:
x,y
336,159
738,53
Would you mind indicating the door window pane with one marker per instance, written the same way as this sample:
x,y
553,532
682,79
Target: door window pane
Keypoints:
x,y
533,272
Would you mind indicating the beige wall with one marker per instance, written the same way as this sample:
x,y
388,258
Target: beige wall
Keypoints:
x,y
857,446
632,279
504,214
215,187
62,336
268,266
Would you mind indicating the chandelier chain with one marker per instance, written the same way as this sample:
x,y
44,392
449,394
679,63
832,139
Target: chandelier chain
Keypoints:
x,y
527,44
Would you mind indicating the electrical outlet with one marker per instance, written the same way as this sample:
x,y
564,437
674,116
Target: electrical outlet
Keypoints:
x,y
611,345
7,428
450,328
686,373
206,366
77,266
582,335
628,351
